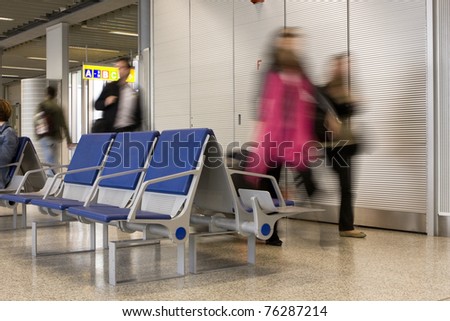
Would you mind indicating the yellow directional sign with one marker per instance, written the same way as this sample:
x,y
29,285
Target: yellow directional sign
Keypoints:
x,y
96,72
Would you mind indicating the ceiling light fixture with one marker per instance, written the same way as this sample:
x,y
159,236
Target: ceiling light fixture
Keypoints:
x,y
44,59
6,19
90,28
123,33
36,58
10,76
23,68
94,49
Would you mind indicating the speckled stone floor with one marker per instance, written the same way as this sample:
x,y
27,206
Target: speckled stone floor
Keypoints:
x,y
314,263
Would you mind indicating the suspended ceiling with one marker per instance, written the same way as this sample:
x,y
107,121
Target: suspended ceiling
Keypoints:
x,y
90,33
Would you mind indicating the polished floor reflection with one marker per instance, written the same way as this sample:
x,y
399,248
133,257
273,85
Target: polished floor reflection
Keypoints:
x,y
314,263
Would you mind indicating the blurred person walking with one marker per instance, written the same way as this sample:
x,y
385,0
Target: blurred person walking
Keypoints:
x,y
51,127
343,142
120,104
287,105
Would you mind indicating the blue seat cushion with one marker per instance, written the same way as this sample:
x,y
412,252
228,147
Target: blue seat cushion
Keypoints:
x,y
91,150
56,203
290,203
129,151
176,151
19,198
23,141
107,213
276,202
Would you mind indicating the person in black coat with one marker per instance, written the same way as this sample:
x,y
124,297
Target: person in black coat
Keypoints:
x,y
120,104
344,143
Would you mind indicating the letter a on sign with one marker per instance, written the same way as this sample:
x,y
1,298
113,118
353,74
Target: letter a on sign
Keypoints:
x,y
88,73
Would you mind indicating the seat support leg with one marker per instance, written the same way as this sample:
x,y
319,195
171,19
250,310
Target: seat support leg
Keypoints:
x,y
15,217
112,263
180,258
34,239
192,254
24,215
251,249
105,236
65,221
115,245
92,236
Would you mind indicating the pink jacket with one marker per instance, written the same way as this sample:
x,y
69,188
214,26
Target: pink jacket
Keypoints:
x,y
286,123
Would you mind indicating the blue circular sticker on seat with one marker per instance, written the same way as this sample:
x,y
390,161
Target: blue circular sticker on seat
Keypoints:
x,y
180,233
265,229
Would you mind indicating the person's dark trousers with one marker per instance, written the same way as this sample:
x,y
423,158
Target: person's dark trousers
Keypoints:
x,y
340,159
304,177
267,184
307,181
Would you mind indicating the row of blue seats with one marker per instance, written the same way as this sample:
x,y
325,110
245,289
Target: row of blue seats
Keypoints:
x,y
151,182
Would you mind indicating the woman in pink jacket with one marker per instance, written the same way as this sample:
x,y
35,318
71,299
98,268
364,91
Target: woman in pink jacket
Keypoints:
x,y
287,107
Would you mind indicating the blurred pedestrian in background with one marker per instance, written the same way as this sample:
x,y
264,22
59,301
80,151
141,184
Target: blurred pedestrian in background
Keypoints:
x,y
120,104
51,127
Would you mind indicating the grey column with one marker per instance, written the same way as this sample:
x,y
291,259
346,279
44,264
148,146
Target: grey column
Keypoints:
x,y
144,24
144,28
58,66
58,57
2,90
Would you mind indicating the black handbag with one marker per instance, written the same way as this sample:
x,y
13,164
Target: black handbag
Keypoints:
x,y
325,115
99,126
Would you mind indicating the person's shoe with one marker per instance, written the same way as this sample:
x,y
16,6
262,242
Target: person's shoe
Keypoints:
x,y
274,242
352,233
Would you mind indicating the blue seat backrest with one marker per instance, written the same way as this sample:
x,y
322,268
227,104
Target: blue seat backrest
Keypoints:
x,y
90,151
23,141
176,151
129,151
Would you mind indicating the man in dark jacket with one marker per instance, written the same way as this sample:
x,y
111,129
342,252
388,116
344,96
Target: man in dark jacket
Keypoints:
x,y
120,104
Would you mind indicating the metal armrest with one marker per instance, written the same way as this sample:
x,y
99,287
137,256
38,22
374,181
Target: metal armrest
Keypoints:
x,y
94,188
80,170
143,187
32,171
271,178
10,164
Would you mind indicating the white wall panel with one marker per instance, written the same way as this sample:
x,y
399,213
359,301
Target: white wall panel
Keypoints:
x,y
324,25
443,107
254,27
206,56
212,67
387,42
389,49
171,64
